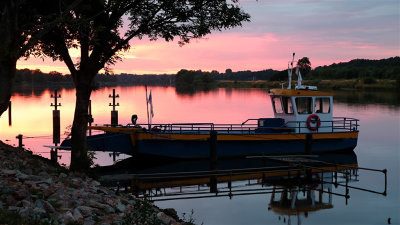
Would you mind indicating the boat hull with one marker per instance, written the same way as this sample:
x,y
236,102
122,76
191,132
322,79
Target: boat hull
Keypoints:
x,y
197,146
248,145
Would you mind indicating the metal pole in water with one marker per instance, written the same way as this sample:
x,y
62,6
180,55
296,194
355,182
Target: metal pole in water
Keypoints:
x,y
114,113
56,125
213,161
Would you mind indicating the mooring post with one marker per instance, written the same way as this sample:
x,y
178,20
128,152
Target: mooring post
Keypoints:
x,y
9,114
213,161
114,113
56,125
19,137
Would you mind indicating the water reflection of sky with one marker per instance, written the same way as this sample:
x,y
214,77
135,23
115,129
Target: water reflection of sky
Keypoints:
x,y
378,145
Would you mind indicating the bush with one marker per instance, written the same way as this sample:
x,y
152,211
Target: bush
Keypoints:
x,y
369,80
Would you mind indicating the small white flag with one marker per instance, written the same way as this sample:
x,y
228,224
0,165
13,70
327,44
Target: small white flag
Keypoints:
x,y
151,104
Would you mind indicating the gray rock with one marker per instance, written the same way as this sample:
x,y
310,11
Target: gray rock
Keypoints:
x,y
1,205
26,203
28,171
26,212
39,204
171,212
39,211
30,183
9,172
78,202
62,175
68,218
48,181
43,174
49,207
132,202
21,194
13,208
120,207
95,183
22,176
89,221
44,186
85,210
98,205
109,209
165,219
77,214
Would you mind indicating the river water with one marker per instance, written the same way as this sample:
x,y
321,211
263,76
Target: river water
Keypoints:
x,y
378,145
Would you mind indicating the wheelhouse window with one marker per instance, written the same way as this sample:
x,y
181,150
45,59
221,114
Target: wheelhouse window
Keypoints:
x,y
276,101
304,105
322,105
287,105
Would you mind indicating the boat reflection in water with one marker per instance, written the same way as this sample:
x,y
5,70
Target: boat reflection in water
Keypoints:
x,y
297,184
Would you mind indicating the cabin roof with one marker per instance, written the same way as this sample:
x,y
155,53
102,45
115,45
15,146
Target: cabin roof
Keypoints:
x,y
293,92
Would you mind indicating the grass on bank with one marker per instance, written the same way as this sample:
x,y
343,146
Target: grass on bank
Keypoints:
x,y
356,84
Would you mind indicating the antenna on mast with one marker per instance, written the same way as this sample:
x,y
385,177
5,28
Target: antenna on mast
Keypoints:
x,y
290,72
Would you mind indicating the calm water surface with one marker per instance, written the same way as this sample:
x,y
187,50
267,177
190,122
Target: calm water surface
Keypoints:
x,y
378,145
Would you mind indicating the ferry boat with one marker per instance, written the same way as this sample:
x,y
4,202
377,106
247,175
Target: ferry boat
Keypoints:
x,y
303,123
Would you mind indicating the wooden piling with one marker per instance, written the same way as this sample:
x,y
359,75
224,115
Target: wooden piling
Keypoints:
x,y
56,126
19,137
9,114
114,118
90,117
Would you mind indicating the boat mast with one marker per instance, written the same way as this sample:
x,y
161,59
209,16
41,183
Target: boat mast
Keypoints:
x,y
290,71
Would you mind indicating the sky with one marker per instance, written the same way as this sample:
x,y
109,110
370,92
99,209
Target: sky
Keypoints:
x,y
325,31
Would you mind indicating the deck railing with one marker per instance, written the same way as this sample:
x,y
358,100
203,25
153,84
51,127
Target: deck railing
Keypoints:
x,y
338,124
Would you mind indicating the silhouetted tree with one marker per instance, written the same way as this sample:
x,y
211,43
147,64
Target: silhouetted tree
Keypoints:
x,y
103,29
304,65
19,27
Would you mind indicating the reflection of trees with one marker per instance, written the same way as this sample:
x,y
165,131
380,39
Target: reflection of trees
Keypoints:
x,y
188,82
390,98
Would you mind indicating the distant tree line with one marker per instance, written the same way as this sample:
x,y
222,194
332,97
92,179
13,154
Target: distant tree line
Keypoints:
x,y
244,75
39,78
189,80
359,68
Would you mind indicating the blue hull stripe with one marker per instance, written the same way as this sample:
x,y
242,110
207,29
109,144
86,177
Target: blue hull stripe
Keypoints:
x,y
116,142
200,149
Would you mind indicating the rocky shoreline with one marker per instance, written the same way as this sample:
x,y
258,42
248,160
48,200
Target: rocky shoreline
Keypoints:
x,y
38,190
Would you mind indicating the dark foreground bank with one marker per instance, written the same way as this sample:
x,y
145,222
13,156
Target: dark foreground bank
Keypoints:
x,y
33,190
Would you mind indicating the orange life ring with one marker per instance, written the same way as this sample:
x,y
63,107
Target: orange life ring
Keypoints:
x,y
312,119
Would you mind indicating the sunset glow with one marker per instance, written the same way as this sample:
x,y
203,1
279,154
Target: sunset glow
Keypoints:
x,y
325,31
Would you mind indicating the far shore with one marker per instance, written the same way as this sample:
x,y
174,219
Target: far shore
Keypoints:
x,y
339,84
352,84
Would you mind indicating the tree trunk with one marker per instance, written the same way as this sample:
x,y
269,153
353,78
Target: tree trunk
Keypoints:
x,y
79,157
7,74
8,50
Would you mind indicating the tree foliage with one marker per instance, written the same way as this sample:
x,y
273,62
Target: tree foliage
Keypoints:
x,y
102,30
360,68
20,28
304,65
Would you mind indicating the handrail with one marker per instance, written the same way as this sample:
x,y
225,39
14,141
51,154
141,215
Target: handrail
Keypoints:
x,y
337,124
